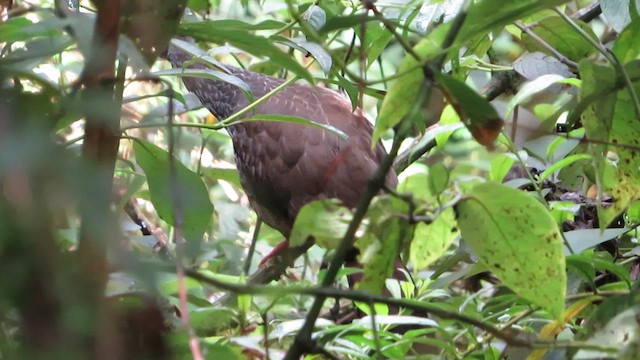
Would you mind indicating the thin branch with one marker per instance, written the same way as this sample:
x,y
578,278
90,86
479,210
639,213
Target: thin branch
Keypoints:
x,y
356,295
565,60
252,247
178,215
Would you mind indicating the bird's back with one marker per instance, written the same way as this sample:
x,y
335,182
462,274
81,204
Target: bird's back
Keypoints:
x,y
283,166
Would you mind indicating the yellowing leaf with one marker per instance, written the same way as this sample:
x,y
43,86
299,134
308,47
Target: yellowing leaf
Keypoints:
x,y
430,241
611,120
325,220
515,236
380,245
552,329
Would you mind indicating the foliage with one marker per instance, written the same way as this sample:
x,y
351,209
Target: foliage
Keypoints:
x,y
517,124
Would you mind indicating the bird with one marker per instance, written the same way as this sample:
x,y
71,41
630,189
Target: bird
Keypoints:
x,y
283,166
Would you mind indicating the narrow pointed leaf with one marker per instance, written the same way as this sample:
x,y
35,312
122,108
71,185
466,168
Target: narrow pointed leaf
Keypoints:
x,y
479,116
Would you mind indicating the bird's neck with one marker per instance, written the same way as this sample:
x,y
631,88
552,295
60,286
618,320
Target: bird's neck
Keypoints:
x,y
220,97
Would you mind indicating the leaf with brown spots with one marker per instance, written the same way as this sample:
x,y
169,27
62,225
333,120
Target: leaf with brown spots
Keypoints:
x,y
515,236
611,119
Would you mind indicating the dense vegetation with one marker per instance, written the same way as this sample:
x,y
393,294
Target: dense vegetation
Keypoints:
x,y
514,127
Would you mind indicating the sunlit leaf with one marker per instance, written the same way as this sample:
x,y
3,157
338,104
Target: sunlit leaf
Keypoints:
x,y
514,235
380,245
326,220
561,164
403,92
431,241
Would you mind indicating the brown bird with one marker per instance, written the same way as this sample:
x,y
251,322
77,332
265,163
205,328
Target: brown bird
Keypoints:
x,y
284,166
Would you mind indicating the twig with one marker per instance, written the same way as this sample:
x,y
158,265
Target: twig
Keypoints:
x,y
252,247
356,295
178,216
565,60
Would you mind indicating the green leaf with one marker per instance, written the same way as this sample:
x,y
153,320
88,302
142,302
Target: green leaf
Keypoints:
x,y
222,351
194,204
562,164
210,320
485,16
479,116
380,244
326,220
611,119
562,37
21,29
418,185
244,40
626,48
403,92
500,166
378,45
431,241
514,235
438,178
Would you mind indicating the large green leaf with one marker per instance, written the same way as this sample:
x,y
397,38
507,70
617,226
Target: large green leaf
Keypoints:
x,y
193,202
561,36
325,220
403,92
611,122
515,236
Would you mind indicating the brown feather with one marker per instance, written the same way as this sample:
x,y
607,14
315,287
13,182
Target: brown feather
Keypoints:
x,y
283,166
